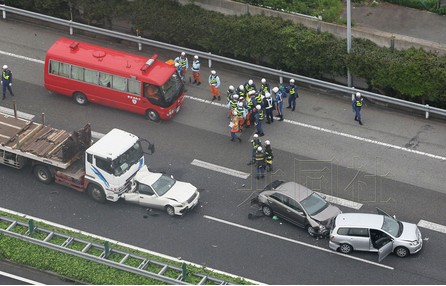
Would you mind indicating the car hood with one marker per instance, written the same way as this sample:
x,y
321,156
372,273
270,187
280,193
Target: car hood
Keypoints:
x,y
330,212
181,191
410,232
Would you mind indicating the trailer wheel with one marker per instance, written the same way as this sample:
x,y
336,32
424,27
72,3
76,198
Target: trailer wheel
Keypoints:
x,y
43,174
152,115
80,98
96,193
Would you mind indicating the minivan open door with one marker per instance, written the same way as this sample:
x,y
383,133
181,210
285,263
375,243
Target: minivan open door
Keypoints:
x,y
384,251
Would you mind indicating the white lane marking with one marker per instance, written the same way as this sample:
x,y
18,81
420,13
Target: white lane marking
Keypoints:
x,y
20,278
344,134
432,226
342,202
97,135
36,219
288,121
20,114
297,242
22,57
220,169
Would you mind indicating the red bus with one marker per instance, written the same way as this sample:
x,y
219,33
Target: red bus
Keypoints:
x,y
90,73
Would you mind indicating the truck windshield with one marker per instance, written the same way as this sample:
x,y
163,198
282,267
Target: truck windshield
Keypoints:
x,y
123,163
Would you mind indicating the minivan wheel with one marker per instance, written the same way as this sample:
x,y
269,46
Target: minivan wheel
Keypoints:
x,y
401,251
345,248
266,210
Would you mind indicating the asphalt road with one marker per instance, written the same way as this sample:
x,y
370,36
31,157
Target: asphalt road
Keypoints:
x,y
404,183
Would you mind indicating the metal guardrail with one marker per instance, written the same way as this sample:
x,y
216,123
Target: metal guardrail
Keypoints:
x,y
211,57
147,267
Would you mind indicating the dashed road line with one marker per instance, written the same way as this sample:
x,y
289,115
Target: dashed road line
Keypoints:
x,y
220,169
21,57
21,279
432,226
342,202
296,242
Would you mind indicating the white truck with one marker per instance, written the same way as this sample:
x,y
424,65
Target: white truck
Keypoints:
x,y
105,169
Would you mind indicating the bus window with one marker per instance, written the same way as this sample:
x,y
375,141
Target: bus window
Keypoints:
x,y
119,83
134,86
105,79
77,73
54,67
91,76
64,70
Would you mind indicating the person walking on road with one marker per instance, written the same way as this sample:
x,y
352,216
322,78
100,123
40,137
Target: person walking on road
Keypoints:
x,y
6,81
234,125
214,83
293,95
279,102
356,106
268,156
260,163
196,71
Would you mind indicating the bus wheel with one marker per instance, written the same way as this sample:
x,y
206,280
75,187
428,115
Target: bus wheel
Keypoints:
x,y
80,98
152,115
43,174
96,193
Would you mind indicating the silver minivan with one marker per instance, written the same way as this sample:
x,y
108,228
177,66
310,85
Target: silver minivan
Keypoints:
x,y
376,233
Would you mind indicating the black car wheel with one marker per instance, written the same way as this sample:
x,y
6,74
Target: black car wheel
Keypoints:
x,y
170,210
267,211
311,231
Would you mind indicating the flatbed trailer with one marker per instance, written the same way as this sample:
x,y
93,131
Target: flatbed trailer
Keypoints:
x,y
53,153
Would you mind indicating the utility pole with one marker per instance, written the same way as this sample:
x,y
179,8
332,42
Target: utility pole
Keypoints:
x,y
349,39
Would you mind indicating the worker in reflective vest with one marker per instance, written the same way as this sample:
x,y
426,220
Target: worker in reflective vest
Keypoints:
x,y
269,105
214,83
196,71
279,103
268,156
292,91
259,115
356,106
6,81
183,62
264,88
260,163
234,127
256,142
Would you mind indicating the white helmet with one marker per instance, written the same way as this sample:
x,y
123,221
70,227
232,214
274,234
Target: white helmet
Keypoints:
x,y
276,89
235,96
241,87
258,107
5,67
291,80
267,142
358,94
263,80
251,92
256,136
213,72
196,57
250,82
234,112
177,65
240,104
259,149
267,95
183,54
231,87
